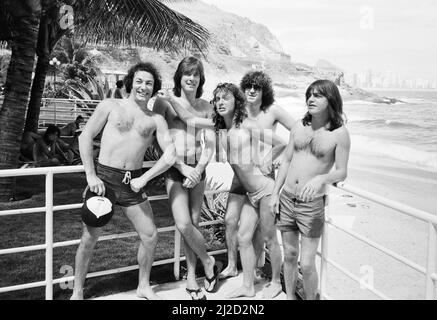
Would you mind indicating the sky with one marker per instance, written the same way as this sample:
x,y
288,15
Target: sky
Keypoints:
x,y
398,36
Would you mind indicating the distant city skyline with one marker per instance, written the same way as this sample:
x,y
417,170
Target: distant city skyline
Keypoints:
x,y
385,36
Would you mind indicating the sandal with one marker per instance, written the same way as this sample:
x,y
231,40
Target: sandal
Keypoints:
x,y
195,291
214,280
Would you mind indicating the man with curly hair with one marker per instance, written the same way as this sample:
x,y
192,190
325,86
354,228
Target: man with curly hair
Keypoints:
x,y
230,113
129,128
258,89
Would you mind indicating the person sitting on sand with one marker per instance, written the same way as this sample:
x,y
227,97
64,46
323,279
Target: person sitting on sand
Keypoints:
x,y
316,143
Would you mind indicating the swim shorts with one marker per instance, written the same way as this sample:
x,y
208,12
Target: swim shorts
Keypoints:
x,y
119,181
237,187
265,190
306,217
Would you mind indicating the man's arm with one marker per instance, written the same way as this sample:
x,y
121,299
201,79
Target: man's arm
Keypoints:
x,y
160,107
185,115
205,158
342,150
165,161
282,175
92,128
283,117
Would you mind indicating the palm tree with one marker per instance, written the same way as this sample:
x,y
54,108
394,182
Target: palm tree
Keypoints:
x,y
32,27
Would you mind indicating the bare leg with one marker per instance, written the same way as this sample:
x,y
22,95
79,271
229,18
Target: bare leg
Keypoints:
x,y
290,241
193,238
141,216
268,229
84,255
195,205
308,265
232,217
248,223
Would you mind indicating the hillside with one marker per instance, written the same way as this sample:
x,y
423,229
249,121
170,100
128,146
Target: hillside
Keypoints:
x,y
237,46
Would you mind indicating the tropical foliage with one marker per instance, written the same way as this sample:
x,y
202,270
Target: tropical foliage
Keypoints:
x,y
33,27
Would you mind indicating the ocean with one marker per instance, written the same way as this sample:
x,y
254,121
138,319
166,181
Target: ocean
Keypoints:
x,y
404,131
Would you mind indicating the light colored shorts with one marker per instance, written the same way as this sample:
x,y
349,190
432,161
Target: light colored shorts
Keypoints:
x,y
306,217
265,190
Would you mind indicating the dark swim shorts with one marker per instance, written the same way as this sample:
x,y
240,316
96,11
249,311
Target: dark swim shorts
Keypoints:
x,y
306,217
119,181
176,176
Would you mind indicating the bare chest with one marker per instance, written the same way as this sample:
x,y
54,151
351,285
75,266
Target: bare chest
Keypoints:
x,y
320,143
128,123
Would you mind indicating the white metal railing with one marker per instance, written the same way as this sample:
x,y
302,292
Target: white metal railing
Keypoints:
x,y
48,246
429,271
62,111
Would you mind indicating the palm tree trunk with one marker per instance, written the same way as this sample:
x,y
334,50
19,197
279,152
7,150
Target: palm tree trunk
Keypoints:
x,y
38,85
17,88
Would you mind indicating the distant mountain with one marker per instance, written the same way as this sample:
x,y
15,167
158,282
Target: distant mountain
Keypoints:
x,y
327,66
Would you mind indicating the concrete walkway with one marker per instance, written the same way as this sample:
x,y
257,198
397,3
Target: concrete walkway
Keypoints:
x,y
176,291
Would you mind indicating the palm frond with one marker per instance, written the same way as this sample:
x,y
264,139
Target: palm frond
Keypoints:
x,y
138,22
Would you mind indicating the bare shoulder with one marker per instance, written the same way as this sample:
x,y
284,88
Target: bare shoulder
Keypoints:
x,y
158,119
160,104
342,135
204,106
249,124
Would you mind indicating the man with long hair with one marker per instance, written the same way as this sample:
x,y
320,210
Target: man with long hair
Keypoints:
x,y
316,144
129,128
241,142
185,182
257,87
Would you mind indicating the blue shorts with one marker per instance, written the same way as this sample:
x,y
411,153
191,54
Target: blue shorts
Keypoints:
x,y
119,181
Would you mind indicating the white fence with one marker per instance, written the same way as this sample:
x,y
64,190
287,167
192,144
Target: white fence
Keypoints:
x,y
429,270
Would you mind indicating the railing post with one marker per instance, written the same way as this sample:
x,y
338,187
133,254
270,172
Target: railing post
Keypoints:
x,y
54,112
49,235
431,264
324,251
177,253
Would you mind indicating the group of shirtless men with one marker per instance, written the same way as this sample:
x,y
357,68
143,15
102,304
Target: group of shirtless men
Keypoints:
x,y
186,127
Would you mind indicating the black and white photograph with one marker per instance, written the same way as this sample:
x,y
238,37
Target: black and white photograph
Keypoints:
x,y
234,151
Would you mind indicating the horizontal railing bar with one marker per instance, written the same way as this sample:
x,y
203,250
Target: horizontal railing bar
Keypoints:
x,y
23,286
102,238
353,277
373,244
410,211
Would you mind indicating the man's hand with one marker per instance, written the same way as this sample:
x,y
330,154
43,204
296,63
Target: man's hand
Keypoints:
x,y
137,183
193,176
279,160
274,204
311,188
96,184
165,95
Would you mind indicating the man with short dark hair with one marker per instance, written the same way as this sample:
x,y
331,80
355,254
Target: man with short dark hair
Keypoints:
x,y
129,128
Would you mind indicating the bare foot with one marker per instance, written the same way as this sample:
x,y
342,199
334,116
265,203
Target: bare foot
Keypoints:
x,y
272,290
209,269
228,273
147,293
257,278
77,295
242,292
